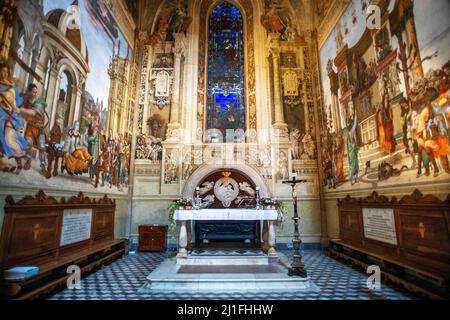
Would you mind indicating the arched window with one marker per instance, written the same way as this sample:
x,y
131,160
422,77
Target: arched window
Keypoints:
x,y
20,54
47,76
64,100
226,82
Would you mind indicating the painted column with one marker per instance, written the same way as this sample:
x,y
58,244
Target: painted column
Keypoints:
x,y
75,104
26,58
55,101
174,125
52,95
145,75
274,48
317,91
141,39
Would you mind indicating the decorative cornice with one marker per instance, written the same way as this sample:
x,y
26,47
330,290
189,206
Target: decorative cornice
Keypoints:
x,y
41,199
416,198
330,20
123,18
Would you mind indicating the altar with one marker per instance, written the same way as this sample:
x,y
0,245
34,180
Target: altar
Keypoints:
x,y
231,215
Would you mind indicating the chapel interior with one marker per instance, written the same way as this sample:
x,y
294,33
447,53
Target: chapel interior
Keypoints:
x,y
224,148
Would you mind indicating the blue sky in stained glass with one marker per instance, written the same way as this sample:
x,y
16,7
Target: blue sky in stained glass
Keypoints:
x,y
226,96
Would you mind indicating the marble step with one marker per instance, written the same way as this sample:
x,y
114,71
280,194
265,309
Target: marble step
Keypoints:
x,y
172,277
224,260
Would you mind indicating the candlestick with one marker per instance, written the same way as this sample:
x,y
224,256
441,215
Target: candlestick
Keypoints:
x,y
297,267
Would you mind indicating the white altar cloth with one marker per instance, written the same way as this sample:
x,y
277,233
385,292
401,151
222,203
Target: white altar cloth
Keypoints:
x,y
226,214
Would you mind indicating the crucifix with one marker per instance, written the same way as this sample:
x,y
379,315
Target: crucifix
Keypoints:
x,y
297,267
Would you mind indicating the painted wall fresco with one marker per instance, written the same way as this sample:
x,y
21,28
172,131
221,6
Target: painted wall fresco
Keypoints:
x,y
61,125
386,93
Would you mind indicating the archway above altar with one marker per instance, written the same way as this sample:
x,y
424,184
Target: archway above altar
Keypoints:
x,y
203,172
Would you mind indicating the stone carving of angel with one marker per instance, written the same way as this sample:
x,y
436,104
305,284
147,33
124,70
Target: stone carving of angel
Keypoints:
x,y
208,201
206,187
247,188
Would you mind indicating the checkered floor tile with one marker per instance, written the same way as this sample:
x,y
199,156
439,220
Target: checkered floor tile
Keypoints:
x,y
122,280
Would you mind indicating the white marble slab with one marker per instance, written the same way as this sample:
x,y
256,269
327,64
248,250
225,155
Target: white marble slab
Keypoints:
x,y
166,278
226,215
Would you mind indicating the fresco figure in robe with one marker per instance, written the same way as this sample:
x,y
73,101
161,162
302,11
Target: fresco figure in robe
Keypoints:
x,y
12,141
427,146
441,140
352,146
338,153
77,159
93,149
33,109
409,121
385,125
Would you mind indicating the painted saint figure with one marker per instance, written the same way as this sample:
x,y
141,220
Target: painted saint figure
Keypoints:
x,y
385,125
93,149
338,158
352,146
33,109
77,159
409,127
12,142
426,146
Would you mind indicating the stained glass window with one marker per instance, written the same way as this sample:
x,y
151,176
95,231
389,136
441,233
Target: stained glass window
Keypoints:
x,y
226,94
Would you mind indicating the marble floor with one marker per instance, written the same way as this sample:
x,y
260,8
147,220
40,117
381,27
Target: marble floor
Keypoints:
x,y
122,280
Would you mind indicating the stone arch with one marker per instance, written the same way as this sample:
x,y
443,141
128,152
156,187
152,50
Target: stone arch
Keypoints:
x,y
206,170
45,56
66,65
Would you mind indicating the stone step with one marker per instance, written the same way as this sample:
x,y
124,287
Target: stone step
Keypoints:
x,y
224,260
172,277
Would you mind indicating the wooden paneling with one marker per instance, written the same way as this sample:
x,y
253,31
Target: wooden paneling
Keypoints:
x,y
351,226
31,236
32,227
421,226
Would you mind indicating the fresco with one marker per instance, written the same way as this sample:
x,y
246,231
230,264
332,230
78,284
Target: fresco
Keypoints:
x,y
386,95
59,126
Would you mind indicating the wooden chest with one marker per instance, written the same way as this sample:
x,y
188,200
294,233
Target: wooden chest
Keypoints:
x,y
152,238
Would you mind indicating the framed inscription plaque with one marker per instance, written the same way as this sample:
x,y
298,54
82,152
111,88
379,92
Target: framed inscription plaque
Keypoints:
x,y
76,227
379,224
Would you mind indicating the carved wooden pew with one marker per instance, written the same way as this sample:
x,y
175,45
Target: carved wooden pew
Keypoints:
x,y
40,231
408,238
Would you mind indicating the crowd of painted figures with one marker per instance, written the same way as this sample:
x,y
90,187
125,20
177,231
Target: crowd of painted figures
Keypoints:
x,y
425,127
25,134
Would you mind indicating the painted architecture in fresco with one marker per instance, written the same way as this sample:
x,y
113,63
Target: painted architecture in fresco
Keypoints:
x,y
64,110
386,95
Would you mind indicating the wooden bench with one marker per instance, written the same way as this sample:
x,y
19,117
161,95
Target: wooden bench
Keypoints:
x,y
42,232
409,239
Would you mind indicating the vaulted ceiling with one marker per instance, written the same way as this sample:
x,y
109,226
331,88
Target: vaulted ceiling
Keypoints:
x,y
304,10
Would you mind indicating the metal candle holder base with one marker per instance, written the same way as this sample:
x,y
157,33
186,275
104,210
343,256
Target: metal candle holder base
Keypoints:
x,y
297,267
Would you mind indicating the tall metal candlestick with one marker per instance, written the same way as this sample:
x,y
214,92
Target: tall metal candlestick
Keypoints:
x,y
257,198
197,201
297,267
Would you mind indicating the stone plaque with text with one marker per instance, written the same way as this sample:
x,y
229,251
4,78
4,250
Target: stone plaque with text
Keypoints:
x,y
76,226
379,224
